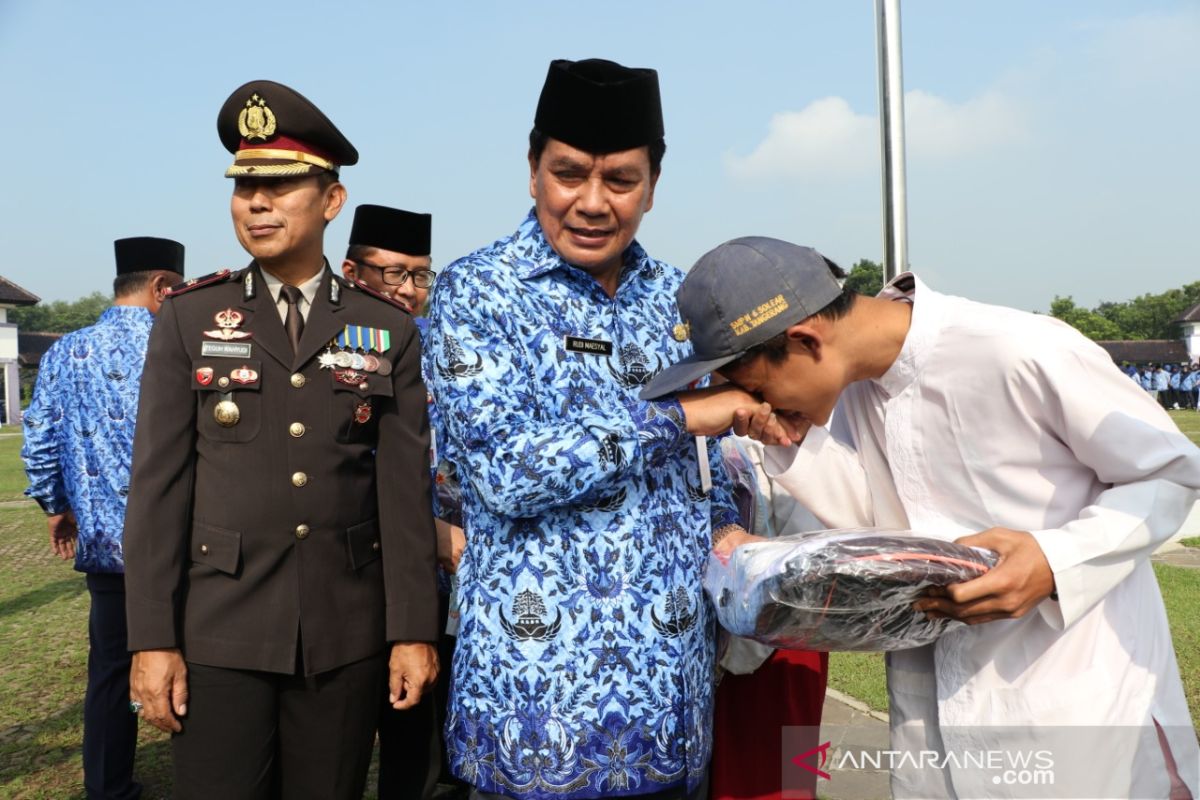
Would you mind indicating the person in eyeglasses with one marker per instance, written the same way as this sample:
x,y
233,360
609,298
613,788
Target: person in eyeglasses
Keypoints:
x,y
389,251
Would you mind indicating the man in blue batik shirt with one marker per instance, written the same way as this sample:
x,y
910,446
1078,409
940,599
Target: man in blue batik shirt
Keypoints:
x,y
584,665
78,450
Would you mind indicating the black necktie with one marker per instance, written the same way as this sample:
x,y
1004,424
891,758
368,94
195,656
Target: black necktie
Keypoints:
x,y
294,322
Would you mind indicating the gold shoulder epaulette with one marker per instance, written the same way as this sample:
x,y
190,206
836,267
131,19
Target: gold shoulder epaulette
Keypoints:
x,y
359,284
195,283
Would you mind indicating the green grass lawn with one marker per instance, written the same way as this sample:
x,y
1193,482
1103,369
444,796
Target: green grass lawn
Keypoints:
x,y
12,473
1188,422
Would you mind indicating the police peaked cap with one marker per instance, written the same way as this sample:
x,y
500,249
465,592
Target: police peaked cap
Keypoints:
x,y
600,106
276,132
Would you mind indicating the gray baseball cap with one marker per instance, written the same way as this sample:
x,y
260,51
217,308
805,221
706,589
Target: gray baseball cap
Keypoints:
x,y
740,295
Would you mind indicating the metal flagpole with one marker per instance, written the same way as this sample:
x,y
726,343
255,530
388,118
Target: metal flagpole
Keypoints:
x,y
891,138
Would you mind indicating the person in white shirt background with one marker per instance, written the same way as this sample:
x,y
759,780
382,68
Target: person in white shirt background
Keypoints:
x,y
996,428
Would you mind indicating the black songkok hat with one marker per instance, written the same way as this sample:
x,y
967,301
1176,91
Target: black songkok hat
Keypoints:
x,y
600,106
391,229
276,132
146,253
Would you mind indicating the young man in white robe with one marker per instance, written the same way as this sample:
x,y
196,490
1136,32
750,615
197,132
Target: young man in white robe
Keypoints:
x,y
999,429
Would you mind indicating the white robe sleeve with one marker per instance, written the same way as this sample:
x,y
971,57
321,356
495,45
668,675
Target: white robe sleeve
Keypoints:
x,y
825,476
1151,469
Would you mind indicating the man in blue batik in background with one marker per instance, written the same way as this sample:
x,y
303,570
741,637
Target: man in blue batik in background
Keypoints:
x,y
78,450
584,665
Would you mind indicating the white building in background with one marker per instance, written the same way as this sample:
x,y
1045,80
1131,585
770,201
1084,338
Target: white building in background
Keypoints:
x,y
1190,322
11,296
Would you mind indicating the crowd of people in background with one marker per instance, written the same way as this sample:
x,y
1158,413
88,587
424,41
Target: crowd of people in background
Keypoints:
x,y
1174,386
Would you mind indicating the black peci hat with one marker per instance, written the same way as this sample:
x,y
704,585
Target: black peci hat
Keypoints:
x,y
145,253
276,132
391,229
600,106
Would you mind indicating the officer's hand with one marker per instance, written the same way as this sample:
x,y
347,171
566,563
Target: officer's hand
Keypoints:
x,y
158,680
451,541
63,532
1019,581
412,671
458,543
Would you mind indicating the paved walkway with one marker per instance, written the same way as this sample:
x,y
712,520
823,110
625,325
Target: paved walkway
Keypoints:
x,y
843,717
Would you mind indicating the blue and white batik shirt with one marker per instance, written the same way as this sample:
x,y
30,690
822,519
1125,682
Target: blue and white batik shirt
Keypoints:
x,y
78,445
584,664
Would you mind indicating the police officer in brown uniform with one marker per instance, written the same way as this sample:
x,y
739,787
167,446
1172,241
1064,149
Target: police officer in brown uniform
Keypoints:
x,y
279,539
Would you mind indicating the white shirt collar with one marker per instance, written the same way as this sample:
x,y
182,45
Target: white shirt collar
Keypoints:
x,y
922,331
308,289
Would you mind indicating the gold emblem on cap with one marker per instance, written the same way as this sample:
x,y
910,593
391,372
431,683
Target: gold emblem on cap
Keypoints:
x,y
682,331
256,121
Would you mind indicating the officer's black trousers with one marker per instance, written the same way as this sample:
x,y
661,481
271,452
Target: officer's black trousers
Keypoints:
x,y
259,736
109,728
411,753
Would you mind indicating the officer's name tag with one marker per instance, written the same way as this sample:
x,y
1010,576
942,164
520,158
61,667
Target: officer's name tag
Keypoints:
x,y
225,349
597,347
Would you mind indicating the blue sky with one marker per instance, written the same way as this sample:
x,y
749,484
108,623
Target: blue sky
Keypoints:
x,y
1052,146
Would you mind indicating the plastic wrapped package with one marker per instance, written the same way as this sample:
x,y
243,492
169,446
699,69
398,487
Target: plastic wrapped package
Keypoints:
x,y
847,589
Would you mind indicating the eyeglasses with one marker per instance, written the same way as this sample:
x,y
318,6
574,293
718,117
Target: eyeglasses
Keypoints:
x,y
396,276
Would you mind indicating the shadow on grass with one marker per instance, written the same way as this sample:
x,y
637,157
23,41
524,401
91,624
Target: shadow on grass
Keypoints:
x,y
35,751
43,595
29,748
152,769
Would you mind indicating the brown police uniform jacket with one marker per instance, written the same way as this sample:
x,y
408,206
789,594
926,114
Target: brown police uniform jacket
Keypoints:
x,y
307,524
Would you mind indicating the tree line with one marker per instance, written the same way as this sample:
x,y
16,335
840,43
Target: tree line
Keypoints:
x,y
1148,316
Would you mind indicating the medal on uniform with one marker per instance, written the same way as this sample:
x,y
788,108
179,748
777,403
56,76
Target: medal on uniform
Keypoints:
x,y
327,359
227,414
357,361
362,413
244,375
351,377
228,322
359,337
370,363
681,332
342,359
204,376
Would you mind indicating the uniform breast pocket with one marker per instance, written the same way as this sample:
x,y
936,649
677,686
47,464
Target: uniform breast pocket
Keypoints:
x,y
354,412
228,398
